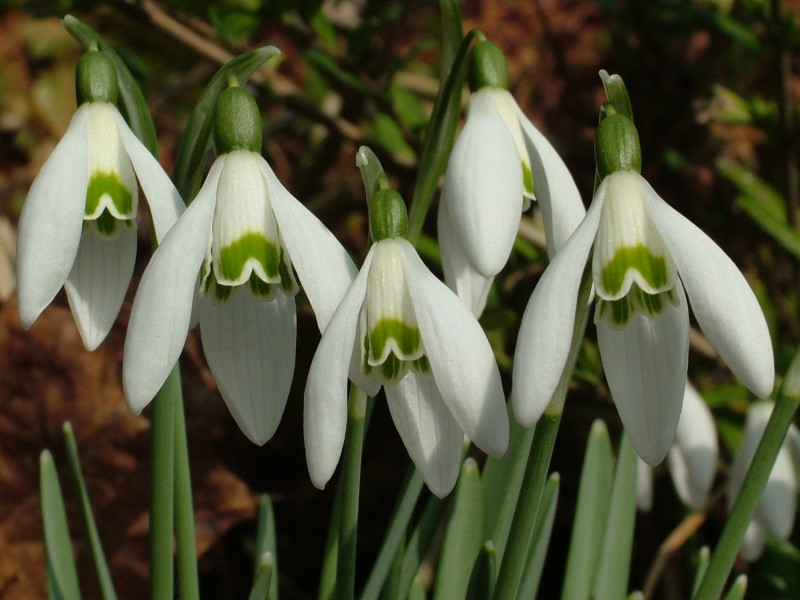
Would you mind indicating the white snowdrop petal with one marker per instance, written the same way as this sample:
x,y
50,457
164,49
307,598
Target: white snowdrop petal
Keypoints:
x,y
99,279
460,356
645,364
51,221
250,346
431,435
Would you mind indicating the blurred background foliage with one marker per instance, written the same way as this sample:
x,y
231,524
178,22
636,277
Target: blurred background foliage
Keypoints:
x,y
714,85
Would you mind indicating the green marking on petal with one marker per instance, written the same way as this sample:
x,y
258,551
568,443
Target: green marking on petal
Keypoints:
x,y
527,180
393,367
620,311
652,268
234,257
407,338
421,365
108,184
288,281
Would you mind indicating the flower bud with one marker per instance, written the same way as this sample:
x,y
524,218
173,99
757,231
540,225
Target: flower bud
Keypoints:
x,y
96,79
487,67
387,215
616,146
237,122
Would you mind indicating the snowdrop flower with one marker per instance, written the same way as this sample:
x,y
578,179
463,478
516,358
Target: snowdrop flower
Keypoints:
x,y
231,258
643,256
77,228
692,458
400,328
497,160
776,509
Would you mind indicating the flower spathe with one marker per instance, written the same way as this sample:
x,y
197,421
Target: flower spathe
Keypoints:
x,y
232,257
496,161
776,510
401,328
77,227
644,255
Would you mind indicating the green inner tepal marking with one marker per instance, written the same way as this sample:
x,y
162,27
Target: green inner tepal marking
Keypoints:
x,y
527,180
407,338
108,183
233,257
652,268
623,309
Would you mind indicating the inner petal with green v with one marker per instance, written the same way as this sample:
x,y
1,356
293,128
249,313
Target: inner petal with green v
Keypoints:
x,y
107,193
619,312
250,254
634,264
392,336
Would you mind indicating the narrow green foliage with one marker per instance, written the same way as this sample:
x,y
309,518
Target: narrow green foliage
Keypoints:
x,y
703,558
62,574
196,140
186,549
266,543
738,589
611,580
594,497
417,591
542,530
133,105
419,542
87,517
263,579
463,537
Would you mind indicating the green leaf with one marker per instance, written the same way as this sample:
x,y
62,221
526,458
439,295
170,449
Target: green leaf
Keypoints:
x,y
62,574
463,537
266,543
417,591
419,542
738,589
328,67
264,580
87,517
133,105
703,557
611,580
196,139
484,574
594,496
542,529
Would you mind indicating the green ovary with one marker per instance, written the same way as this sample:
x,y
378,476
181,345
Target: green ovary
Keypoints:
x,y
652,268
234,257
108,184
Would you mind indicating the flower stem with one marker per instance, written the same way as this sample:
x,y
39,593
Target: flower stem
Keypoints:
x,y
162,487
514,560
188,584
351,484
747,501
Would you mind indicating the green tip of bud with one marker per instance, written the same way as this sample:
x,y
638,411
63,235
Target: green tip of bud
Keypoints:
x,y
487,67
616,146
617,93
237,122
96,79
387,215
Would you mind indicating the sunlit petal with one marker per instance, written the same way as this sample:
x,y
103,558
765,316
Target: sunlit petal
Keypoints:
x,y
466,282
460,356
721,299
163,199
645,363
431,435
484,185
99,279
556,192
51,221
325,407
250,347
325,269
162,308
545,333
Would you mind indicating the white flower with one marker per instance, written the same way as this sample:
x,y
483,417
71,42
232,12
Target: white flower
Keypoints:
x,y
77,227
776,509
692,458
644,255
232,256
401,328
497,160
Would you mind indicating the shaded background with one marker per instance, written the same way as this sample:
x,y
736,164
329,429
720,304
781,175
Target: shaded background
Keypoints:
x,y
714,88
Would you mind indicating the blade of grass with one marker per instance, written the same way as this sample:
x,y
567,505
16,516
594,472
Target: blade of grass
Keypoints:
x,y
541,538
263,579
267,542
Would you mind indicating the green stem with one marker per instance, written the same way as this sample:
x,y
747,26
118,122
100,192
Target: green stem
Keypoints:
x,y
351,484
188,584
162,486
747,501
514,560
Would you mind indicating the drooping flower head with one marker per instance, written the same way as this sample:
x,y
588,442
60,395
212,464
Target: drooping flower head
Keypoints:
x,y
643,256
77,227
230,260
500,162
400,328
776,510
